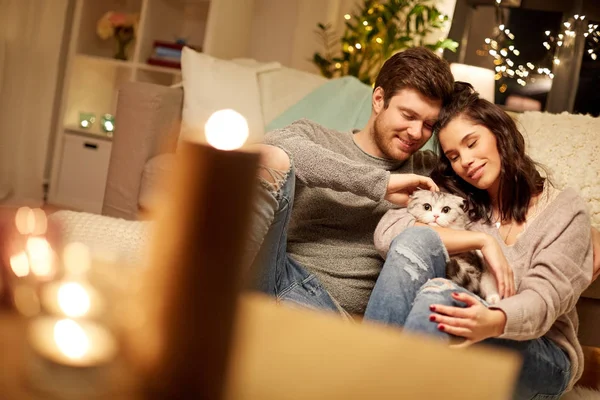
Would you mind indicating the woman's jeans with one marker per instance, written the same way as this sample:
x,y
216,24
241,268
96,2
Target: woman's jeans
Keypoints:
x,y
411,280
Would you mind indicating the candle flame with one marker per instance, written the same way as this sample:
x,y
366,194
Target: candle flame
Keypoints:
x,y
73,299
71,338
40,256
226,130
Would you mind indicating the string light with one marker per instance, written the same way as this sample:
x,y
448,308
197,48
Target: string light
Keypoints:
x,y
501,45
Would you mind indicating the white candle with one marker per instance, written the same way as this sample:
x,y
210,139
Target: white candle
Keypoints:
x,y
72,343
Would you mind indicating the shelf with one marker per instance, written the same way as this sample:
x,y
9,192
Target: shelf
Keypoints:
x,y
156,68
106,60
93,133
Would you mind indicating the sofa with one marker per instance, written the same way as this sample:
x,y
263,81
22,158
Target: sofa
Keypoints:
x,y
150,122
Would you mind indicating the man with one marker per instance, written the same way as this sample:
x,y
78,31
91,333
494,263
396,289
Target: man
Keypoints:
x,y
319,253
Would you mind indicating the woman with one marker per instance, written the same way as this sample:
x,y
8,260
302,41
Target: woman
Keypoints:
x,y
520,220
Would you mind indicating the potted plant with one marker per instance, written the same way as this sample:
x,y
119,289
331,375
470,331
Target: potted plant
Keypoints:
x,y
378,30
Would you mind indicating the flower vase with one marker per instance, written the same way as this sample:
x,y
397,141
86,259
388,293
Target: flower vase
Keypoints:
x,y
123,36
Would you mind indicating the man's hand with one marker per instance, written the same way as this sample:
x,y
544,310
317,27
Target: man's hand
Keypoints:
x,y
596,244
401,186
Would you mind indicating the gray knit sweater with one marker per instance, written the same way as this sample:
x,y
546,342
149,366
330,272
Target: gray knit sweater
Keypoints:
x,y
337,205
552,263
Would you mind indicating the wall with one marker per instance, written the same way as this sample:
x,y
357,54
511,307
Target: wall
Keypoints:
x,y
33,33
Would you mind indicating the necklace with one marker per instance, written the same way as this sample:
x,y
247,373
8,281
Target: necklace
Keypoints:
x,y
498,225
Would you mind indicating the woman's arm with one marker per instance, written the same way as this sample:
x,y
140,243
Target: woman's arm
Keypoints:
x,y
455,241
560,272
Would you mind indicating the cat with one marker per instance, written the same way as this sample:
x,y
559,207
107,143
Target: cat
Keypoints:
x,y
468,269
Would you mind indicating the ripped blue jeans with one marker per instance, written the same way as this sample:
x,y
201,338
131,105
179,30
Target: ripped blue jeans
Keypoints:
x,y
413,278
275,272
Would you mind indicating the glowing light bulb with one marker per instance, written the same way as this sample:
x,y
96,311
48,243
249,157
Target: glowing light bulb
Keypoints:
x,y
347,16
226,130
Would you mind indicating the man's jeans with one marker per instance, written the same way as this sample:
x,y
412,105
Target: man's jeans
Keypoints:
x,y
411,280
278,274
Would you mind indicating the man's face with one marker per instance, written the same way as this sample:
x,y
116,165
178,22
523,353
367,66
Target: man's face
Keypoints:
x,y
405,125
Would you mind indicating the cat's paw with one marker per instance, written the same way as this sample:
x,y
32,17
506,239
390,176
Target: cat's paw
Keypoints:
x,y
493,299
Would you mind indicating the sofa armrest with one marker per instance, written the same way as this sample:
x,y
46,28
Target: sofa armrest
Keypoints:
x,y
147,124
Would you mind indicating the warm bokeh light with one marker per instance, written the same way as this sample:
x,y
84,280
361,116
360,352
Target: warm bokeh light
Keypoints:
x,y
71,338
19,263
73,299
40,256
25,220
226,130
31,222
41,221
76,258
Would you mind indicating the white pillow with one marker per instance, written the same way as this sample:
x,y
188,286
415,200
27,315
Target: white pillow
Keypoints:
x,y
211,84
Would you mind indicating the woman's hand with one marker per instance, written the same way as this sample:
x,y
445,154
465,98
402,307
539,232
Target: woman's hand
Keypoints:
x,y
475,323
401,186
492,253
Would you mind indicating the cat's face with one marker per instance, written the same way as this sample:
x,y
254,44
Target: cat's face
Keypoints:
x,y
438,209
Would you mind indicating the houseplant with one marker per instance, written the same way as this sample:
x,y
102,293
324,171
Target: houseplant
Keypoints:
x,y
378,30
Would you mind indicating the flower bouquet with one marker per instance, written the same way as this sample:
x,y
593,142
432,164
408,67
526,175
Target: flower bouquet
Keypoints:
x,y
121,26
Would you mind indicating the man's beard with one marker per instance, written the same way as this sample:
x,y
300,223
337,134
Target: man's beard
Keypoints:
x,y
384,142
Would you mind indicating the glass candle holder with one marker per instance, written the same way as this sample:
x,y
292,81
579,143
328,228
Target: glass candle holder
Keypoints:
x,y
86,119
72,347
108,123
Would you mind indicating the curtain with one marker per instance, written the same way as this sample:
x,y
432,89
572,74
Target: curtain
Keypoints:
x,y
32,32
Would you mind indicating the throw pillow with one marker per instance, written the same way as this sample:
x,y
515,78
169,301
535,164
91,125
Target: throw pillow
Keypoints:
x,y
211,84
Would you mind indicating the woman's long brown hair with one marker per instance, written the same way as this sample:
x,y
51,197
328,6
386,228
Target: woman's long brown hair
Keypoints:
x,y
519,178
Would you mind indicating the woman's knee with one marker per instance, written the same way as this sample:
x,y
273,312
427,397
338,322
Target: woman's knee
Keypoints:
x,y
419,239
439,286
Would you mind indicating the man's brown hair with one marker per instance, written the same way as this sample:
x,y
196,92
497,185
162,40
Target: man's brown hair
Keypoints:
x,y
416,68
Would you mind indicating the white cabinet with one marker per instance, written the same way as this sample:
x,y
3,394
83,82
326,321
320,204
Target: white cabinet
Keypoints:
x,y
83,169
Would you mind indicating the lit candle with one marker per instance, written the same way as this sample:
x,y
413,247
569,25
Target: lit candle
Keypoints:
x,y
190,289
73,299
72,343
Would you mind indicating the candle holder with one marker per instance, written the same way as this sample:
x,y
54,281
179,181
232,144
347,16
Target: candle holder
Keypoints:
x,y
72,349
86,119
107,123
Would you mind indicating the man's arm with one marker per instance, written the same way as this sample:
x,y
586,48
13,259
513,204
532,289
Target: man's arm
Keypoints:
x,y
317,166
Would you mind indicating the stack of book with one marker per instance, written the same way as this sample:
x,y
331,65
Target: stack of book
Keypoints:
x,y
167,54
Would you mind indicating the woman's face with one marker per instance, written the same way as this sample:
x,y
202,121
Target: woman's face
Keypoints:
x,y
473,153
